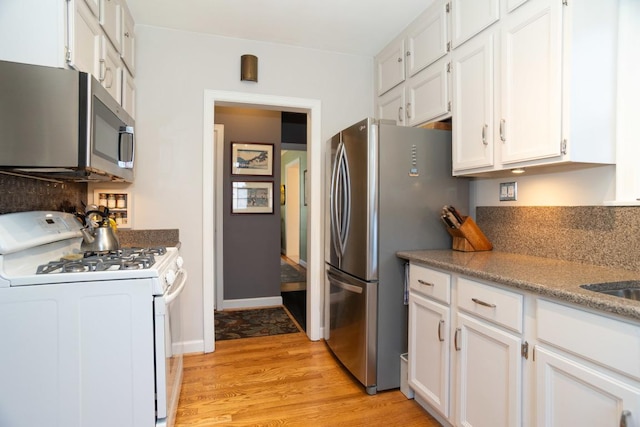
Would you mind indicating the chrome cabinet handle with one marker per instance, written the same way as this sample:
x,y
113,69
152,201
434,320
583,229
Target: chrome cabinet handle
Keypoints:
x,y
502,126
408,110
422,282
126,34
624,417
102,71
455,339
440,326
400,114
110,81
484,134
480,302
400,59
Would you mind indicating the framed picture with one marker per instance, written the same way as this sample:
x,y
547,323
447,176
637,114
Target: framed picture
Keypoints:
x,y
251,197
251,159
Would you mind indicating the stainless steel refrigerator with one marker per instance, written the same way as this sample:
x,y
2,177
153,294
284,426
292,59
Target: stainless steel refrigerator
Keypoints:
x,y
387,186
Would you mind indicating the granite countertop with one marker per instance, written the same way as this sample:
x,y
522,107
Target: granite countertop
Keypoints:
x,y
542,276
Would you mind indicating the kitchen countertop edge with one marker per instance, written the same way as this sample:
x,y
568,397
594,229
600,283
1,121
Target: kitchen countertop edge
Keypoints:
x,y
548,277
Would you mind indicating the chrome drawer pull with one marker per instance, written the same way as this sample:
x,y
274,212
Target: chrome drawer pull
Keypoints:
x,y
440,325
486,304
422,282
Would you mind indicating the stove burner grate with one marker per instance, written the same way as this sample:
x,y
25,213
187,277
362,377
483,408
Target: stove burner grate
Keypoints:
x,y
122,259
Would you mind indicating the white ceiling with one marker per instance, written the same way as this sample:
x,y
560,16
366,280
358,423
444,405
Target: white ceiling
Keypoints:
x,y
361,27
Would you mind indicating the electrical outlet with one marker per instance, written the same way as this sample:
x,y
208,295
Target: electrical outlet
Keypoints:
x,y
508,191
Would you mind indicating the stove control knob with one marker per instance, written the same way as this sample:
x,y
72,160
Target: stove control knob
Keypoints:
x,y
170,277
179,262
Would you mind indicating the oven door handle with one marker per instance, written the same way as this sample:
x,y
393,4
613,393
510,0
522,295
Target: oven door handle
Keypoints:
x,y
173,294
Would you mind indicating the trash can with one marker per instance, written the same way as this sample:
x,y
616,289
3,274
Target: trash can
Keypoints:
x,y
404,376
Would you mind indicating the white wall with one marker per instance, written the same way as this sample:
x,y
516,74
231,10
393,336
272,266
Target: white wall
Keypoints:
x,y
173,70
584,187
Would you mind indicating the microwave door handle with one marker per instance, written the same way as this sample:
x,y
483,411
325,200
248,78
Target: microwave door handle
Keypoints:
x,y
127,163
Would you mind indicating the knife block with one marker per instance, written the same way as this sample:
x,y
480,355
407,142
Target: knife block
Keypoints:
x,y
469,238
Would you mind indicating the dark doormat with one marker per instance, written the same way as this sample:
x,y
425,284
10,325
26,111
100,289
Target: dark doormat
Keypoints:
x,y
289,274
260,322
296,303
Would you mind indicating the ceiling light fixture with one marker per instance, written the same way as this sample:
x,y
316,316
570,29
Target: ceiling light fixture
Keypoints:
x,y
517,170
249,68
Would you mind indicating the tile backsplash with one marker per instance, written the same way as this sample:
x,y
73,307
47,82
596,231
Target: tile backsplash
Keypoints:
x,y
18,194
600,235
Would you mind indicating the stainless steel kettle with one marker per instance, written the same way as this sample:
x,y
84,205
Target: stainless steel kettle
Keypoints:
x,y
98,234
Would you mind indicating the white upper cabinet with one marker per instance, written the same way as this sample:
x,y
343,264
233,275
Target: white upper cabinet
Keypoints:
x,y
417,63
469,17
94,7
128,40
390,66
529,126
427,39
111,21
83,48
474,103
111,70
550,103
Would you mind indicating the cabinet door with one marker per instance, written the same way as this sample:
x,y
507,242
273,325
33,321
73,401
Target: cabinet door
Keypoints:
x,y
529,125
473,103
391,106
111,70
128,42
469,17
94,6
128,93
427,39
390,66
429,351
571,394
489,368
84,39
428,94
111,21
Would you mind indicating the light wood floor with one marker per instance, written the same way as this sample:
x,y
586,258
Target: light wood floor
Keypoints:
x,y
283,380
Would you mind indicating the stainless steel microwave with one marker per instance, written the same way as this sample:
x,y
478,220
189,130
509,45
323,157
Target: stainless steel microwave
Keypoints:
x,y
62,124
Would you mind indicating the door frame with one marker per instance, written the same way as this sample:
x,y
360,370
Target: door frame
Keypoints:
x,y
315,222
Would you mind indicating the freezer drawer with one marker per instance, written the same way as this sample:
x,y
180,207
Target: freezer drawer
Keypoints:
x,y
353,325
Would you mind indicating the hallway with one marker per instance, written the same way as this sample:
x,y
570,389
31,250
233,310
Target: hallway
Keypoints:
x,y
284,380
293,289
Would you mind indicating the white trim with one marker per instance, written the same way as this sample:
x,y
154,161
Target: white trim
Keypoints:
x,y
315,222
219,229
252,302
194,346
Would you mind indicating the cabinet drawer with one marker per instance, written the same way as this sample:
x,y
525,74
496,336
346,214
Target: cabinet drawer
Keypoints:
x,y
431,283
497,305
603,340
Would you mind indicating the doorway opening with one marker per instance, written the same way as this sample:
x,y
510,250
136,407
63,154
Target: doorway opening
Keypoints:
x,y
315,222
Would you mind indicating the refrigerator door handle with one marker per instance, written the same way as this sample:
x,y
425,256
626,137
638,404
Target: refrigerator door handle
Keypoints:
x,y
340,208
342,285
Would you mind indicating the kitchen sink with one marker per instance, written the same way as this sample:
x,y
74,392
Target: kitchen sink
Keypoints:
x,y
628,290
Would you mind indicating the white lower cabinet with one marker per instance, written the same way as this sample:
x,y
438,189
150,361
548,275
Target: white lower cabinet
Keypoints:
x,y
489,373
429,347
569,393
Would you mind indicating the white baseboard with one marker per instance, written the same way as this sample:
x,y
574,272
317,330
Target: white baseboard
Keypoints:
x,y
252,302
195,346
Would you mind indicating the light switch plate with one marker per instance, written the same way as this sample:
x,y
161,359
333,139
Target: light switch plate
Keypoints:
x,y
508,191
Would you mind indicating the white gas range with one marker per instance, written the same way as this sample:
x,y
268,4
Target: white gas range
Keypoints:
x,y
87,339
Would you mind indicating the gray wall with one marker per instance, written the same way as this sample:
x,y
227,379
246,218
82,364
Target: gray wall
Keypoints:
x,y
251,241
